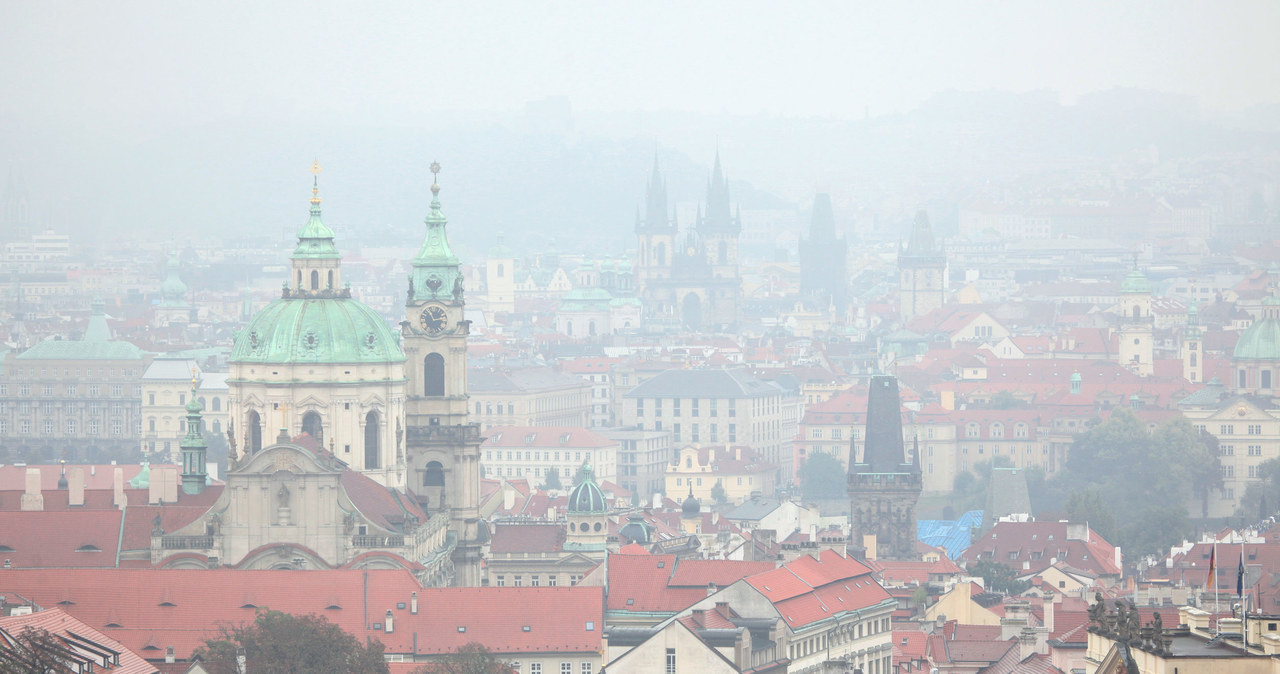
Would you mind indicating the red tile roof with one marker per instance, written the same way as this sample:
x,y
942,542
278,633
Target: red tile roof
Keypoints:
x,y
86,538
74,635
808,589
1032,547
149,609
521,537
657,583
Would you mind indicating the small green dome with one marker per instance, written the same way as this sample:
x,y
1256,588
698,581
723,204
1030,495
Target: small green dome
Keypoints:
x,y
173,290
587,498
1135,282
691,506
635,530
1260,342
323,330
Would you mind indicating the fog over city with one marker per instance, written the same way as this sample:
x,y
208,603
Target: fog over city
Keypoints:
x,y
586,338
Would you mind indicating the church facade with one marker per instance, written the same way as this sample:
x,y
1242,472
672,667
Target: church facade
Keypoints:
x,y
357,409
689,279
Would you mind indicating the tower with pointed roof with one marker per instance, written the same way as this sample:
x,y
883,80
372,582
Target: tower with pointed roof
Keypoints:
x,y
443,446
823,256
318,362
1136,348
922,271
173,294
884,486
193,447
655,232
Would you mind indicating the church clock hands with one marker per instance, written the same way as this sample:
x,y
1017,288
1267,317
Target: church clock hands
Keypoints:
x,y
433,319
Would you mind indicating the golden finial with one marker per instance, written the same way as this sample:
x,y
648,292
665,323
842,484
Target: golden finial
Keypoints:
x,y
194,378
435,177
315,181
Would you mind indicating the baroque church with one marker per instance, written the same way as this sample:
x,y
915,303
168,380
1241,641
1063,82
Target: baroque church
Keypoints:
x,y
373,462
689,279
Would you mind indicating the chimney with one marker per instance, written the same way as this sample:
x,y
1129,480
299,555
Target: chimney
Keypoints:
x,y
117,482
170,484
155,486
722,607
33,498
711,589
413,604
700,617
168,655
1078,532
386,624
1027,642
75,487
1048,611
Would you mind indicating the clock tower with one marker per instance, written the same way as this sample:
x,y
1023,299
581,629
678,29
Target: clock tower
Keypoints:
x,y
443,448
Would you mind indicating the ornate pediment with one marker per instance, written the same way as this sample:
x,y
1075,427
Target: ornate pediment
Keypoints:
x,y
284,457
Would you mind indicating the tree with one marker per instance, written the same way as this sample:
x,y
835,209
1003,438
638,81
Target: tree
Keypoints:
x,y
1148,479
718,493
1086,505
471,658
1260,498
998,577
31,649
822,476
1005,400
284,643
553,480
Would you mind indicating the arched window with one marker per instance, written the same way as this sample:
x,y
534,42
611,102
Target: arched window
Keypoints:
x,y
315,280
217,404
591,328
568,328
434,475
371,440
203,406
311,424
502,270
299,278
433,375
151,424
255,433
1137,311
1265,380
330,279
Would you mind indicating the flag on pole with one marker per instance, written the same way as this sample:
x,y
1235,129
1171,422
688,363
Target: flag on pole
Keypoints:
x,y
1240,575
1213,568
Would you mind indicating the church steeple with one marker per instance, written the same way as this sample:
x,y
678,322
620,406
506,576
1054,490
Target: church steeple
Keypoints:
x,y
435,267
193,446
719,218
655,210
317,265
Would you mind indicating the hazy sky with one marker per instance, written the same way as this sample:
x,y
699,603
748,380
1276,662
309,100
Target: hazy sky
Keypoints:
x,y
380,62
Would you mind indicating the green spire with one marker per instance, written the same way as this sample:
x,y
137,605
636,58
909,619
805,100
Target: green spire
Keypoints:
x,y
315,239
435,249
173,291
193,446
435,268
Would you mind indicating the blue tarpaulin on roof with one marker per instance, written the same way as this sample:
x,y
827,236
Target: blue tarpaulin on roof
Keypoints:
x,y
954,536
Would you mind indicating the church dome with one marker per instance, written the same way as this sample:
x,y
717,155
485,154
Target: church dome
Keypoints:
x,y
317,330
692,506
587,498
1261,341
1135,282
635,530
173,290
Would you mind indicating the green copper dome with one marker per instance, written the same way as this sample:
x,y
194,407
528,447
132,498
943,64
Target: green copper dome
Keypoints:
x,y
1135,282
1260,342
587,498
315,239
173,290
324,330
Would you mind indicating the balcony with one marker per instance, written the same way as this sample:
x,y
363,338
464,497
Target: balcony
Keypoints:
x,y
186,542
377,541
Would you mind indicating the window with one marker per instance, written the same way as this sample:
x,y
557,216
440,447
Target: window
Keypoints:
x,y
534,581
117,390
733,432
695,407
1255,429
733,409
837,434
566,668
48,389
639,407
1255,450
588,669
502,581
519,581
48,426
24,390
675,432
25,426
71,428
551,581
433,375
671,661
535,668
1226,429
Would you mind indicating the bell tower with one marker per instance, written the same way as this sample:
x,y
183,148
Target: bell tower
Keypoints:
x,y
443,448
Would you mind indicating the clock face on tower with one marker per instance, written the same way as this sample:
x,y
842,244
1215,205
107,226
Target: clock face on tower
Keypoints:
x,y
433,319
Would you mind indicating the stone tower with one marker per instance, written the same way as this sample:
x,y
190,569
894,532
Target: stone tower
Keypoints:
x,y
443,448
655,234
922,268
1136,350
823,256
885,485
